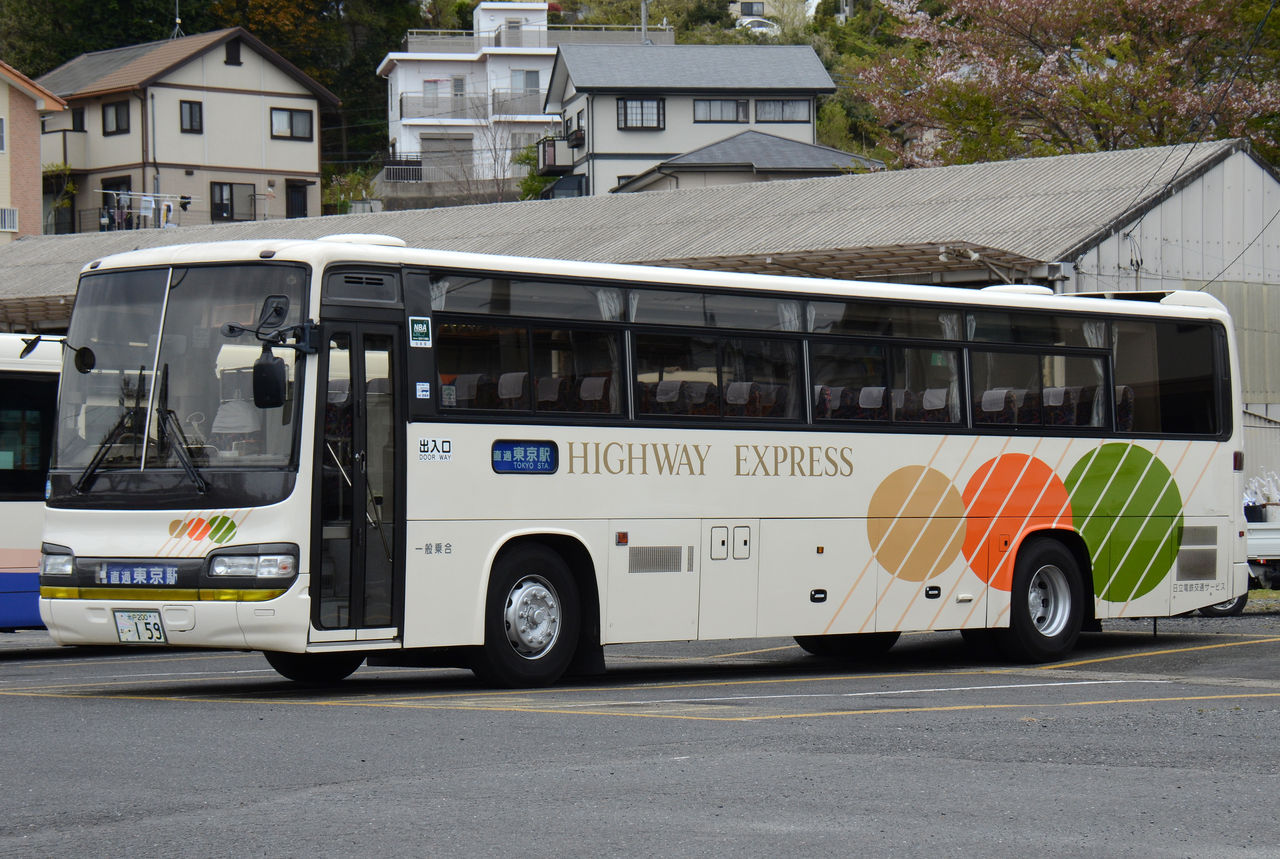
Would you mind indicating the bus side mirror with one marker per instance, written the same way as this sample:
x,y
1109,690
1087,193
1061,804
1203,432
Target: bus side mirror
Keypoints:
x,y
269,382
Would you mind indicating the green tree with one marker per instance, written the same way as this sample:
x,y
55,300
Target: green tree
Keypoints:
x,y
531,184
37,36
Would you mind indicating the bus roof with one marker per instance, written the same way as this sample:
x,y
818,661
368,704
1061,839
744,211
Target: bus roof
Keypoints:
x,y
373,250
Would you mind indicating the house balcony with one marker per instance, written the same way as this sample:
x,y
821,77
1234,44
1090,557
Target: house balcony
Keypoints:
x,y
554,156
65,147
469,106
479,106
465,42
517,102
462,165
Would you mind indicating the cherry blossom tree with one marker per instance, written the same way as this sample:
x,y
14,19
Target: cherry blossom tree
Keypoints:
x,y
985,80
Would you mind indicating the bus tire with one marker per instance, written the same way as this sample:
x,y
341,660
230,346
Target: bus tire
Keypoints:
x,y
1047,603
532,619
1228,608
851,647
315,669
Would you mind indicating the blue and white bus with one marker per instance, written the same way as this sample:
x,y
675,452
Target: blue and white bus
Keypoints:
x,y
28,400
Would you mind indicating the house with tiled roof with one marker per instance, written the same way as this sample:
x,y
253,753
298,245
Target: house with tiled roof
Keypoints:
x,y
750,156
193,130
626,108
22,101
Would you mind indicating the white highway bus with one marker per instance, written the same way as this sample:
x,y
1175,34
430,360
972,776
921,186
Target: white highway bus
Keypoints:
x,y
345,450
28,398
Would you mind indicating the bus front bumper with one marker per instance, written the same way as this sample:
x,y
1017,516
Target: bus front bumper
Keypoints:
x,y
279,623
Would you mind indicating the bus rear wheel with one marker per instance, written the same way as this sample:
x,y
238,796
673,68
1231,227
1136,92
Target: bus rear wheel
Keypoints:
x,y
1227,608
1047,606
315,669
532,620
853,647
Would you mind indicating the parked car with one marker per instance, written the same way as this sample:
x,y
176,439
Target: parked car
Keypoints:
x,y
762,26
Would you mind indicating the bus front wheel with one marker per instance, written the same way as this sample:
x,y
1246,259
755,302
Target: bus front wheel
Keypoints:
x,y
532,619
1047,604
315,669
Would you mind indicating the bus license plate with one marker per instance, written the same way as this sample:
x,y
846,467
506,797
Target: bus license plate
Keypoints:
x,y
140,627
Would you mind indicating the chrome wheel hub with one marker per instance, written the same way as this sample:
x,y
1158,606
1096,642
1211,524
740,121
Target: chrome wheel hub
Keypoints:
x,y
532,617
1049,600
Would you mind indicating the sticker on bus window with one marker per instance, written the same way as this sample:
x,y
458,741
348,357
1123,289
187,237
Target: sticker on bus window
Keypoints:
x,y
420,331
423,390
525,457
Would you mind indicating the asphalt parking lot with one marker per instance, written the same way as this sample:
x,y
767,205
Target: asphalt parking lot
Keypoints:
x,y
1146,742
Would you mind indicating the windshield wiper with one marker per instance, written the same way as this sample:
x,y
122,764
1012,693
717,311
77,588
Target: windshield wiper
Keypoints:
x,y
128,423
170,429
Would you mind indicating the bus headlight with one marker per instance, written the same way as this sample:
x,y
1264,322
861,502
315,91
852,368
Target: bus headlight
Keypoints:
x,y
57,565
254,566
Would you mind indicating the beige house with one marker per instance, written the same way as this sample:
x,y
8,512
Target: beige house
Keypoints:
x,y
22,101
200,129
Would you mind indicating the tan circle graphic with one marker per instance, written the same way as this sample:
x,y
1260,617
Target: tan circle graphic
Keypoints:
x,y
916,523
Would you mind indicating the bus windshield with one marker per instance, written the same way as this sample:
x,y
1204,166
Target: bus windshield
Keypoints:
x,y
167,389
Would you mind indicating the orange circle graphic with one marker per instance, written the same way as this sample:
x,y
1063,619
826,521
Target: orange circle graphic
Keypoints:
x,y
915,523
199,529
1007,497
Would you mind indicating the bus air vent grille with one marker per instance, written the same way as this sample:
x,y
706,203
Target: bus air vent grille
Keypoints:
x,y
1198,557
655,559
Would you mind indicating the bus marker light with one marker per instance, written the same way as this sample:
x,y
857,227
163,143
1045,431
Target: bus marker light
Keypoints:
x,y
818,595
820,550
620,538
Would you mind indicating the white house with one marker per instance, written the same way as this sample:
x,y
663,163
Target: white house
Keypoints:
x,y
626,108
211,127
460,104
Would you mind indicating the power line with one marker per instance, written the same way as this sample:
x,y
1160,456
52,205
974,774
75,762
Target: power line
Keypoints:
x,y
1242,250
1204,124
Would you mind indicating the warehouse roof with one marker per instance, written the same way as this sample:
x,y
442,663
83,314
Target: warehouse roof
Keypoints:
x,y
901,225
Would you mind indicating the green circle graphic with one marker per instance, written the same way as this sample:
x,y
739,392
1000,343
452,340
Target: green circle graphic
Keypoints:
x,y
221,529
1126,505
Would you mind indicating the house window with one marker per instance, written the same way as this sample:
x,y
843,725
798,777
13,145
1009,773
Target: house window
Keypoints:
x,y
459,86
782,110
752,9
115,118
290,124
642,113
232,57
524,80
720,110
231,201
192,117
2,149
77,119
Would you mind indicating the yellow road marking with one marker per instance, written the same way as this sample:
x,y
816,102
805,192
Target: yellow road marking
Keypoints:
x,y
1166,652
872,711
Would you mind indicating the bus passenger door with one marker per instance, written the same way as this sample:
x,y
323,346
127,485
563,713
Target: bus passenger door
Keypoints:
x,y
359,497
